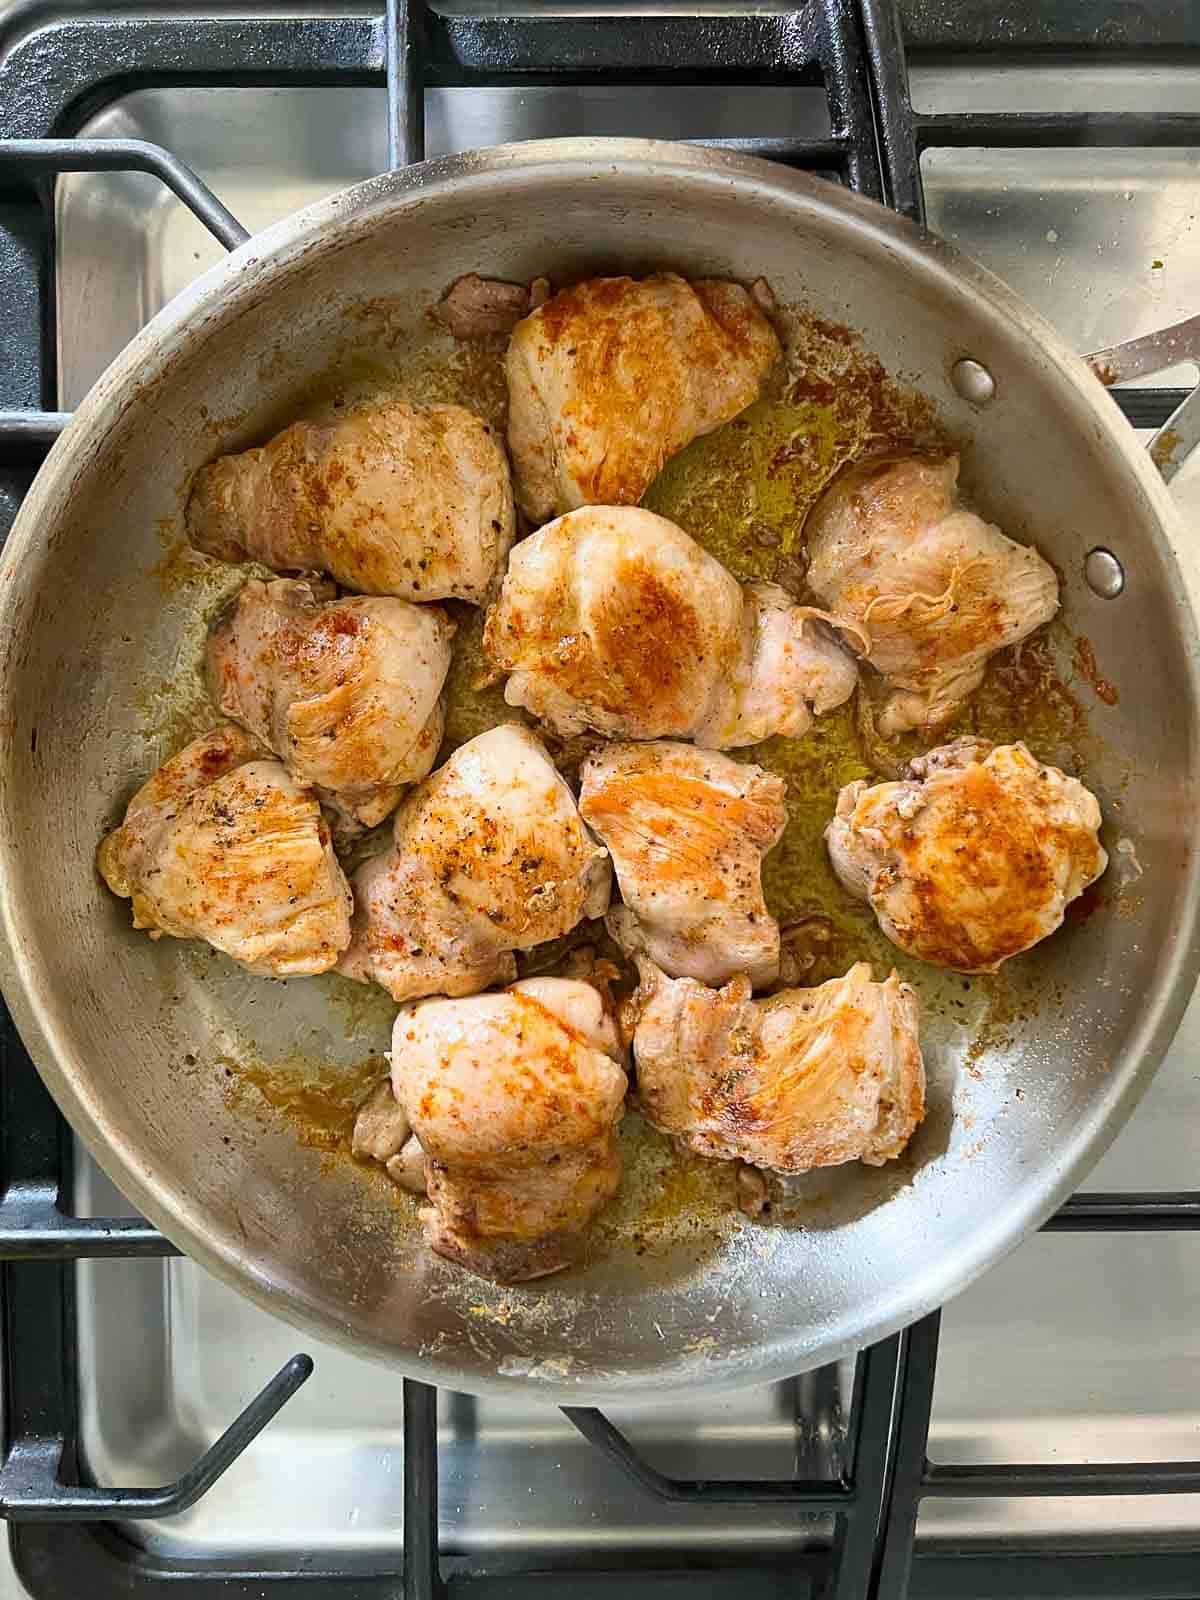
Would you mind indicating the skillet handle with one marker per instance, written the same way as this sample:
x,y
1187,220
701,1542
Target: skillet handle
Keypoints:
x,y
1137,358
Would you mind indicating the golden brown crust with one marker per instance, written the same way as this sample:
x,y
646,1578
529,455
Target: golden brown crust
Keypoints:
x,y
490,856
221,845
687,830
515,1098
806,1078
391,499
612,376
345,691
972,860
615,619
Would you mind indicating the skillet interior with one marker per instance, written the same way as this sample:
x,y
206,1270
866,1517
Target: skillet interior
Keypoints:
x,y
146,1045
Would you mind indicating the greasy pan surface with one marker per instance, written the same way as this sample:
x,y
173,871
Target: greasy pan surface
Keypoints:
x,y
152,1051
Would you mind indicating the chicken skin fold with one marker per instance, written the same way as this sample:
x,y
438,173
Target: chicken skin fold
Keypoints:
x,y
934,589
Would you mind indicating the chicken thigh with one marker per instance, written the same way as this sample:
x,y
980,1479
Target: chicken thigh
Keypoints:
x,y
515,1099
687,830
222,845
390,498
490,856
612,618
612,377
806,1078
973,857
383,1133
935,589
347,693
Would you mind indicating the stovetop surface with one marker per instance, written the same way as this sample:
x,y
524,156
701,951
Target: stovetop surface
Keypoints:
x,y
1081,1347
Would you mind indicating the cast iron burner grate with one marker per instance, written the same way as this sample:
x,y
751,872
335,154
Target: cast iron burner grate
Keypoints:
x,y
51,80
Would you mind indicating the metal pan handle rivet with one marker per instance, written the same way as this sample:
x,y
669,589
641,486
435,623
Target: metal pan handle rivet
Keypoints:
x,y
973,381
1104,573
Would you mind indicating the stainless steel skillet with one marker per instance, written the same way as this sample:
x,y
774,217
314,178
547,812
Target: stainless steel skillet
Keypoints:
x,y
143,1045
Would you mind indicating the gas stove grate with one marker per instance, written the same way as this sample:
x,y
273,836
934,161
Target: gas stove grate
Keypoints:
x,y
49,82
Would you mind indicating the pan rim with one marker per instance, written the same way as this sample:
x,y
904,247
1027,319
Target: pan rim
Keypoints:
x,y
248,274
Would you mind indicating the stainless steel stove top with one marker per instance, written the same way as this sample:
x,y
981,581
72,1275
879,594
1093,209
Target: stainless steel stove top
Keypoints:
x,y
1079,1346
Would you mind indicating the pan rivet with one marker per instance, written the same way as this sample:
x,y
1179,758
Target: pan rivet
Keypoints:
x,y
1104,573
973,381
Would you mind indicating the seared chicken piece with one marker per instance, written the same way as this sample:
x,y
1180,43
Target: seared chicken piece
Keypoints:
x,y
391,498
407,1167
347,693
611,378
382,1128
687,831
515,1099
474,307
383,1133
935,589
490,856
973,857
612,618
806,1078
222,845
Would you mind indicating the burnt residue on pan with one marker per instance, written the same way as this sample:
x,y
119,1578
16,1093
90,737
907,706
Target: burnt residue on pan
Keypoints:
x,y
743,492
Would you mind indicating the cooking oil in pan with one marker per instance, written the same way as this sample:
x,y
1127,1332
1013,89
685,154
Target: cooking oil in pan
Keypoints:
x,y
743,492
319,1099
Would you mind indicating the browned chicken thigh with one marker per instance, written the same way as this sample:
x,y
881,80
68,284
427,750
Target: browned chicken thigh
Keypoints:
x,y
805,1078
347,693
610,378
515,1100
222,845
687,830
389,498
973,857
490,856
612,618
934,588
